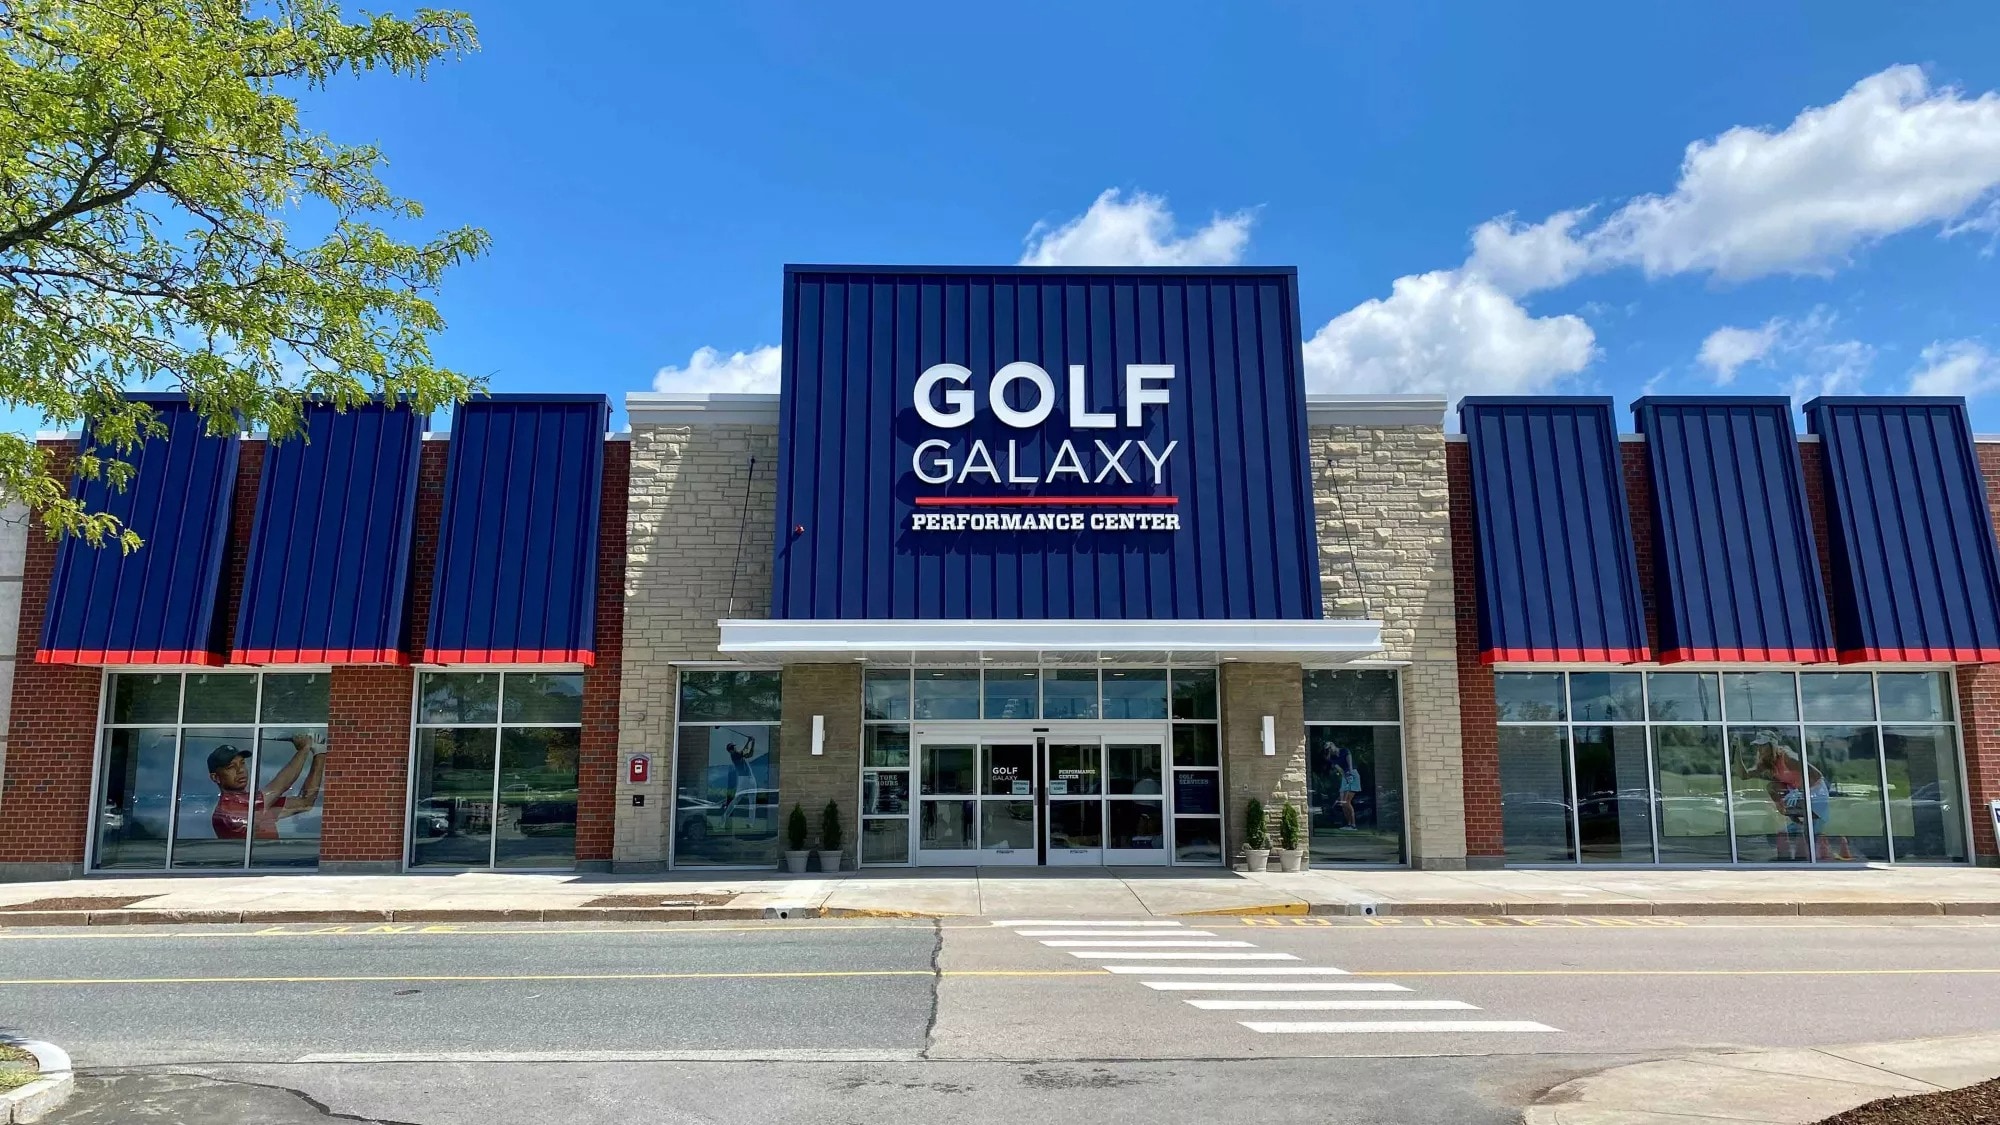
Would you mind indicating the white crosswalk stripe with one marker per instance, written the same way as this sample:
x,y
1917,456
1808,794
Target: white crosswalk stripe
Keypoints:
x,y
1392,1027
1077,922
1219,943
1121,942
1333,1005
1262,986
1162,955
1107,933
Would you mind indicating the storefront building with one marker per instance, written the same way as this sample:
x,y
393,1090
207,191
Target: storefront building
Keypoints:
x,y
1020,567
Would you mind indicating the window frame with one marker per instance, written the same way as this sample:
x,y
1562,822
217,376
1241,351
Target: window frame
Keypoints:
x,y
1723,725
1400,723
498,726
670,820
179,726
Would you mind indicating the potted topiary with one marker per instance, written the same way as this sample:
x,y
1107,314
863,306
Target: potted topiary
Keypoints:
x,y
795,835
1256,837
829,838
1290,832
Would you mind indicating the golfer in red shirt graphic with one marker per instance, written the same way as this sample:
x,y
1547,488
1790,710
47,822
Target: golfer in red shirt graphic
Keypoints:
x,y
235,808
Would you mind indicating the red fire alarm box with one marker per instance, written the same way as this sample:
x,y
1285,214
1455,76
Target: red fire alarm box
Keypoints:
x,y
640,770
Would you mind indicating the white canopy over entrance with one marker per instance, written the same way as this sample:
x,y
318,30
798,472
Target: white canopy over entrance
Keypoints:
x,y
1195,642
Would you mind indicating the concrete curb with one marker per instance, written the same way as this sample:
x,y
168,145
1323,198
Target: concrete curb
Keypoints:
x,y
158,917
1777,1086
39,1098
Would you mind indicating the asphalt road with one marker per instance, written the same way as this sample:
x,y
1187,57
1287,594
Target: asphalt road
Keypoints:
x,y
900,1020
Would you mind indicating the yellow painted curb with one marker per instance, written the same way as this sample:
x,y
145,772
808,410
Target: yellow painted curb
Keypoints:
x,y
1229,911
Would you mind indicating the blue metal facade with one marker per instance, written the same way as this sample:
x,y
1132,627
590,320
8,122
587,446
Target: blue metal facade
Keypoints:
x,y
1557,578
1236,480
1735,570
1916,575
155,605
516,578
329,557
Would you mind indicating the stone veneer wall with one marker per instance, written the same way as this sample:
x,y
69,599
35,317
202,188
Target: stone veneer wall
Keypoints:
x,y
691,539
1383,502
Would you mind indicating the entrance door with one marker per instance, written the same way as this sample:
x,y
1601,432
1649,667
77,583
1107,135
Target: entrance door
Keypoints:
x,y
1073,772
976,805
1057,797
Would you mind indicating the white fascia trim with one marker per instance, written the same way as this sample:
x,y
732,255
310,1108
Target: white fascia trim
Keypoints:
x,y
1236,638
700,408
1374,410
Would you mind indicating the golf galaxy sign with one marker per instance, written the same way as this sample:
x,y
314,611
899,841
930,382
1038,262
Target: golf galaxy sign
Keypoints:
x,y
1031,444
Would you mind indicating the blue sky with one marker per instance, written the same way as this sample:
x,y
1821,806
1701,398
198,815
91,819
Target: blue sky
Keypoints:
x,y
646,170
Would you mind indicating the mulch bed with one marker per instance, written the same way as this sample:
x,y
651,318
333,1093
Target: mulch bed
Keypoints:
x,y
662,900
84,902
1972,1105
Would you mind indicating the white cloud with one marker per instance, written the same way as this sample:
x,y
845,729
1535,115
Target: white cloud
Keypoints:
x,y
754,371
1449,332
1520,258
1891,155
1957,367
1136,231
1829,368
1728,349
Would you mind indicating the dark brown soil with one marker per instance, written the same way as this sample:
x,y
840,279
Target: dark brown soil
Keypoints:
x,y
1972,1105
661,900
83,902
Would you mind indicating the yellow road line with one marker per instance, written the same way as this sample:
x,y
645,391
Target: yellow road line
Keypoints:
x,y
559,977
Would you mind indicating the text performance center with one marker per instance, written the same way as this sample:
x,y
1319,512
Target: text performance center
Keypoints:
x,y
1019,567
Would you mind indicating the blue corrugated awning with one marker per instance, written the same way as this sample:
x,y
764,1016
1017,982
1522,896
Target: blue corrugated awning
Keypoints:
x,y
327,578
1556,573
516,579
1916,575
1735,569
156,605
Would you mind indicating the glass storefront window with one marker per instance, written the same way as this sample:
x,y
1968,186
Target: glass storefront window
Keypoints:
x,y
1683,697
885,693
1194,693
1135,693
1614,799
726,801
1738,767
1535,810
1607,697
202,784
1915,697
1351,696
1529,697
497,762
947,693
1069,693
1760,697
1691,787
885,744
730,696
1195,744
1013,693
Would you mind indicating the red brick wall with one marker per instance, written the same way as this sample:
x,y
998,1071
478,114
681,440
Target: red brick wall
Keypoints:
x,y
1478,735
54,722
1979,705
597,761
367,765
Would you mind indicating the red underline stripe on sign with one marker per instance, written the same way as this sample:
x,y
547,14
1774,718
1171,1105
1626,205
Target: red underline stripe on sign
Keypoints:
x,y
1031,501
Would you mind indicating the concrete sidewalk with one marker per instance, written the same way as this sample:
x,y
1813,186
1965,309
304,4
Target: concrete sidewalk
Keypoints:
x,y
1789,1086
1102,892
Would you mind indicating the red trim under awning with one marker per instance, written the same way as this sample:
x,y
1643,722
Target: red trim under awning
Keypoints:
x,y
1566,655
582,656
319,656
1920,655
1750,655
94,656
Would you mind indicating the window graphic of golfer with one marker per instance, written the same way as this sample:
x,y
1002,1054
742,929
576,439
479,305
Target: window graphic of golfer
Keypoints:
x,y
229,768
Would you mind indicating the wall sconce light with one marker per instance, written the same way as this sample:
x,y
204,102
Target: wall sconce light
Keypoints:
x,y
819,734
1270,736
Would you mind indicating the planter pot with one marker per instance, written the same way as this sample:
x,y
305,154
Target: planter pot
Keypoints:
x,y
1289,858
1259,859
829,861
795,862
